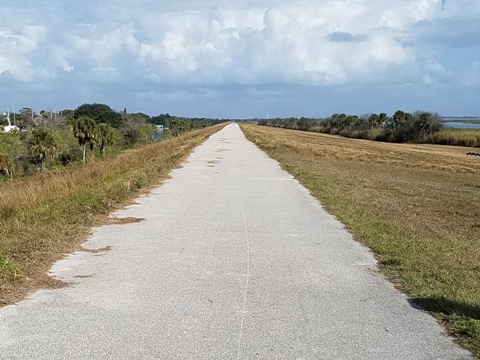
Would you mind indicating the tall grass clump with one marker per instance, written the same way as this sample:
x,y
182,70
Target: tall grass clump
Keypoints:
x,y
42,217
456,137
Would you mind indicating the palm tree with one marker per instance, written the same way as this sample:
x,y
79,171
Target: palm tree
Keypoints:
x,y
42,143
85,130
105,137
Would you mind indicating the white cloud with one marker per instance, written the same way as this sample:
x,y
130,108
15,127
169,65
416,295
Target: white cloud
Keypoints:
x,y
18,49
239,43
270,42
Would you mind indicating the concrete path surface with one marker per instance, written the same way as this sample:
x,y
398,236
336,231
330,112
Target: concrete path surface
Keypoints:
x,y
233,260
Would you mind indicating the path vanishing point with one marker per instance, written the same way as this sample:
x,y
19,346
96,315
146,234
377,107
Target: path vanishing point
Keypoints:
x,y
233,259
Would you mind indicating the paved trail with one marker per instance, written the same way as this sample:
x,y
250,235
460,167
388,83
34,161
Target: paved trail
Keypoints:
x,y
233,260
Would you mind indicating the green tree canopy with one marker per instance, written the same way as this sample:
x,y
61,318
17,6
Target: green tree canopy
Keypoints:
x,y
26,117
135,129
101,113
425,124
162,119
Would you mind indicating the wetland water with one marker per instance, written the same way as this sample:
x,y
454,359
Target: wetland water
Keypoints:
x,y
461,125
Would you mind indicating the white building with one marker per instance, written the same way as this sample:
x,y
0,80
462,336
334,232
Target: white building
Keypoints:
x,y
10,128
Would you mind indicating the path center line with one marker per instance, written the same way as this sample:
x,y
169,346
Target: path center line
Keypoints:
x,y
247,276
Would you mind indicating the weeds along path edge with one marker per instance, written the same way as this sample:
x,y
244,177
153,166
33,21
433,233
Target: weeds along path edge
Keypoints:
x,y
44,217
416,206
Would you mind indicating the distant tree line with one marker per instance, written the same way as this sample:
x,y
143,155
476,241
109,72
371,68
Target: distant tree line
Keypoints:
x,y
178,125
401,127
55,139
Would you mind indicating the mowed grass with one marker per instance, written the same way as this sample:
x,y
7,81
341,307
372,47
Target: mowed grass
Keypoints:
x,y
44,217
416,206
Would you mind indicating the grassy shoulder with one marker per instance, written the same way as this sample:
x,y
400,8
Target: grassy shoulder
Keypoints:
x,y
416,206
44,217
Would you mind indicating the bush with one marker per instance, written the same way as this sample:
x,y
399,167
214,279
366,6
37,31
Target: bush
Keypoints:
x,y
70,156
376,134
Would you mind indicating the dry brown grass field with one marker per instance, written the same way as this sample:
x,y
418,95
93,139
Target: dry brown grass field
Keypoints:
x,y
416,206
44,217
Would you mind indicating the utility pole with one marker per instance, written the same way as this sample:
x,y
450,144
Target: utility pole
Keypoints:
x,y
8,116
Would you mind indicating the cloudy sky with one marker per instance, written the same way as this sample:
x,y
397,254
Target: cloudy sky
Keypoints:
x,y
242,58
